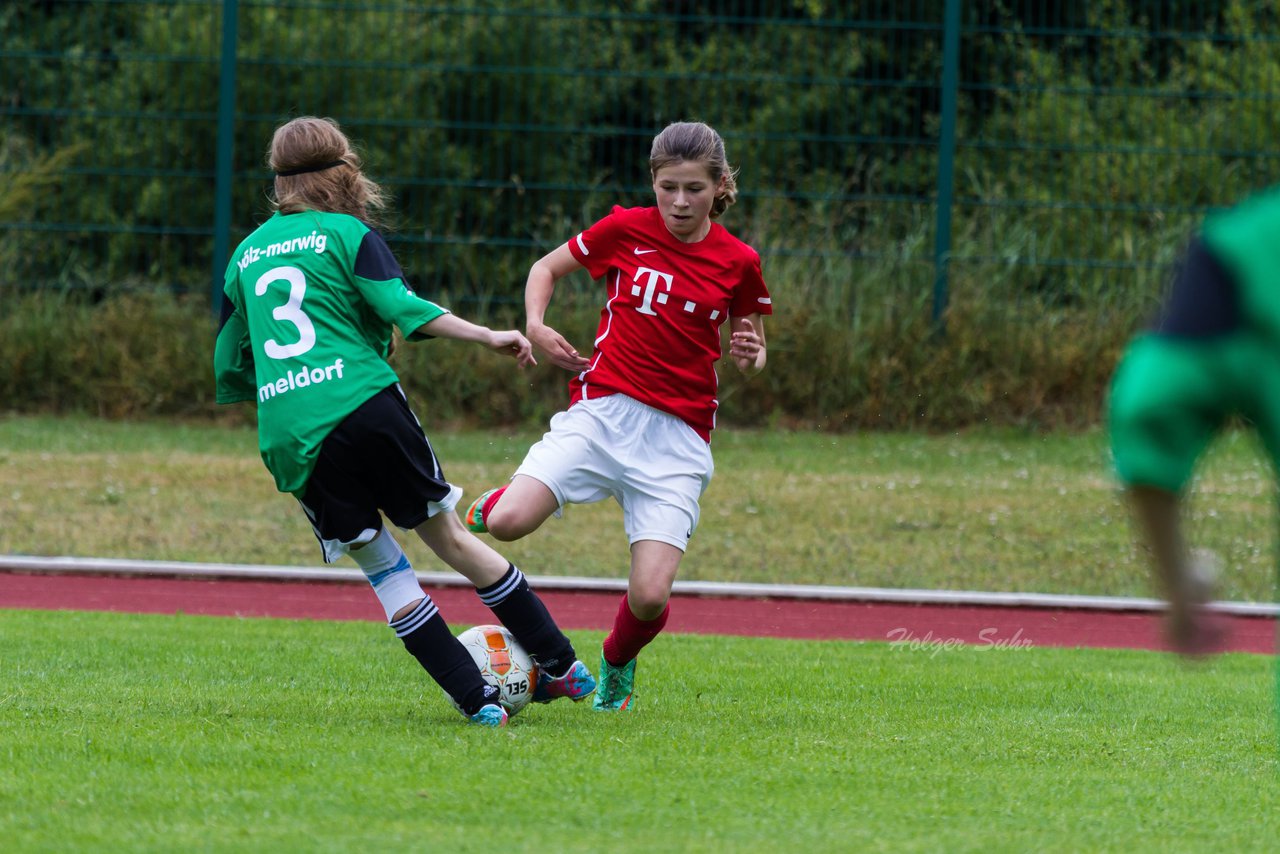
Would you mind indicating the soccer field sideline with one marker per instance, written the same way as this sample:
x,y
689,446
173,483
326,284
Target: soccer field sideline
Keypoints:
x,y
906,619
185,569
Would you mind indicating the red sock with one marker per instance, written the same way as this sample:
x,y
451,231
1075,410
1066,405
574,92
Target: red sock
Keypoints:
x,y
490,501
631,634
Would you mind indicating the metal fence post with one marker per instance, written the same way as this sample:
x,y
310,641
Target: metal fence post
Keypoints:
x,y
226,128
946,157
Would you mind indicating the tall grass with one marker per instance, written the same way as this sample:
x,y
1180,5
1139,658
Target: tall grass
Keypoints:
x,y
852,345
127,354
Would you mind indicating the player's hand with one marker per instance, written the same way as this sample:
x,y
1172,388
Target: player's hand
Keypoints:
x,y
509,342
558,350
744,348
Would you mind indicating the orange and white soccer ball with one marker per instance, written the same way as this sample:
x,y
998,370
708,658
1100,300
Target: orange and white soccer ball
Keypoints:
x,y
504,663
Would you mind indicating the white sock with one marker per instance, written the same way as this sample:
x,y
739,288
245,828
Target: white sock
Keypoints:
x,y
389,571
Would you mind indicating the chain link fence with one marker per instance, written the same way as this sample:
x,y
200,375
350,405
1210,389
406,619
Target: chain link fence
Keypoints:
x,y
1062,149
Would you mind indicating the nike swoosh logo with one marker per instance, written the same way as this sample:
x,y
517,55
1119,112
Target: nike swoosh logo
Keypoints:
x,y
640,251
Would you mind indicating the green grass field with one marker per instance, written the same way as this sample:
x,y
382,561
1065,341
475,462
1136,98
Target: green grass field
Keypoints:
x,y
996,511
166,733
162,733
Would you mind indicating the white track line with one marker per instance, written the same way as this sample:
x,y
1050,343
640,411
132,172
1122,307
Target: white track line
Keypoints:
x,y
180,569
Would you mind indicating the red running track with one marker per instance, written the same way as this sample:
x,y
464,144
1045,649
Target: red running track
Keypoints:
x,y
924,626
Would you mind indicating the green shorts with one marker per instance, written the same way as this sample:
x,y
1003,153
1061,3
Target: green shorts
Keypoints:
x,y
1170,396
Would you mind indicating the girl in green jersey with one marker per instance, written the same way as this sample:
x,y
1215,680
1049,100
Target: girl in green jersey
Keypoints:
x,y
310,301
1211,355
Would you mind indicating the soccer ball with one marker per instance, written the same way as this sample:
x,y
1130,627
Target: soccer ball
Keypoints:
x,y
504,663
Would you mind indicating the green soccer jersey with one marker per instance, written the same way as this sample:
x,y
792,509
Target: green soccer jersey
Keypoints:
x,y
1246,239
310,300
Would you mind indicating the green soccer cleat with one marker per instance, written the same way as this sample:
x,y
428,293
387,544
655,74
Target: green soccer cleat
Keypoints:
x,y
615,686
474,518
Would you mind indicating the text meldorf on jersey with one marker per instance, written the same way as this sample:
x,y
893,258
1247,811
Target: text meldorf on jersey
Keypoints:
x,y
300,379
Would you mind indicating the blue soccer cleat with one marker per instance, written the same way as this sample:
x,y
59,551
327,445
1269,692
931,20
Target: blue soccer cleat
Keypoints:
x,y
491,715
577,684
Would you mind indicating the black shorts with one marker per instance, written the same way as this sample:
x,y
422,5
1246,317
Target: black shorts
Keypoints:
x,y
376,459
1202,301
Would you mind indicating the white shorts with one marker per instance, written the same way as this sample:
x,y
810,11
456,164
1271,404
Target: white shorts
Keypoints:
x,y
652,463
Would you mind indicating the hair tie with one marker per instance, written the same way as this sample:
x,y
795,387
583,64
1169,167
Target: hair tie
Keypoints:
x,y
304,169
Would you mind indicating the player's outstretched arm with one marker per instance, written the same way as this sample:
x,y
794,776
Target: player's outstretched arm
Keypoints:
x,y
537,296
508,342
746,344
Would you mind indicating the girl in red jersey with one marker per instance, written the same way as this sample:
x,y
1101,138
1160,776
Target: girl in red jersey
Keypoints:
x,y
643,406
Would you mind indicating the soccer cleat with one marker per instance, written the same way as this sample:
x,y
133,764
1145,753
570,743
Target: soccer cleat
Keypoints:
x,y
614,690
474,519
577,684
491,715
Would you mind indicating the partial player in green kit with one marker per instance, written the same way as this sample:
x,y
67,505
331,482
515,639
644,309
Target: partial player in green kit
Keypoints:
x,y
1212,354
310,300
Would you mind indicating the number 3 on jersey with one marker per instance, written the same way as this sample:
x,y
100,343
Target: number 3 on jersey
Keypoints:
x,y
290,312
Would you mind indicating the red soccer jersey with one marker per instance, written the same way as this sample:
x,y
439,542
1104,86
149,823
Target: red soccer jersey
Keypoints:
x,y
659,334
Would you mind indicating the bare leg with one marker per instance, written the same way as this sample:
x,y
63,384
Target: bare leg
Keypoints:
x,y
1191,630
521,509
462,550
642,613
654,566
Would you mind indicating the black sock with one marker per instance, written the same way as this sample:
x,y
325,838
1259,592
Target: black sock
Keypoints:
x,y
521,611
427,637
